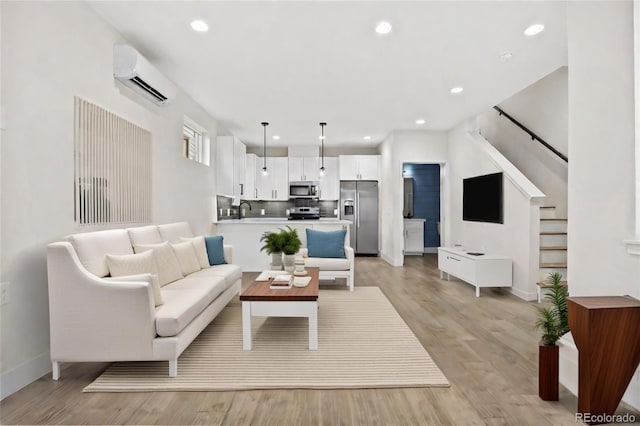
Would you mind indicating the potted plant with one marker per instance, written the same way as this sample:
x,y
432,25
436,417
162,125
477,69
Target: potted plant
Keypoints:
x,y
273,242
554,323
290,245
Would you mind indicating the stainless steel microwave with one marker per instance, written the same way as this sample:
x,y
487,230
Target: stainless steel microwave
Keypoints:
x,y
305,189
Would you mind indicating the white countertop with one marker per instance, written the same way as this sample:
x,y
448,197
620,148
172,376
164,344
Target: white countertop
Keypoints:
x,y
279,221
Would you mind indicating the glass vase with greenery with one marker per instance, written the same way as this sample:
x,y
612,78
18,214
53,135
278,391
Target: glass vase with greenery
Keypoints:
x,y
554,320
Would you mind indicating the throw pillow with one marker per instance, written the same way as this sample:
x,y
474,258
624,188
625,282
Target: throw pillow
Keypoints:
x,y
215,250
200,248
168,266
326,244
151,279
187,258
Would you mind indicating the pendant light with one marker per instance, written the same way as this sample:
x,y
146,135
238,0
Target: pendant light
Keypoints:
x,y
264,149
322,147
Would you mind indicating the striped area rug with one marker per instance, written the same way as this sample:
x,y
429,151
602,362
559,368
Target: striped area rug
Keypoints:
x,y
362,343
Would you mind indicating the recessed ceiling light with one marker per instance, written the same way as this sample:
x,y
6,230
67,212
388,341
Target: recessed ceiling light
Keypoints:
x,y
367,138
199,26
276,137
420,121
534,29
383,27
506,56
456,90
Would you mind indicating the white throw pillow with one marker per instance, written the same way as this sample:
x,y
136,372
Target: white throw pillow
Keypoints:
x,y
187,258
200,248
152,279
168,266
131,264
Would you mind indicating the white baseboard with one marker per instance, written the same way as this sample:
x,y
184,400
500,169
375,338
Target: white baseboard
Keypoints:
x,y
390,260
525,295
14,380
430,250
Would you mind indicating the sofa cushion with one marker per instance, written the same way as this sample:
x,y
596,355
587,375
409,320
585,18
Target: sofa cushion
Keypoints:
x,y
173,231
187,258
201,250
328,263
131,264
168,266
184,300
326,243
151,279
230,273
144,235
215,249
91,248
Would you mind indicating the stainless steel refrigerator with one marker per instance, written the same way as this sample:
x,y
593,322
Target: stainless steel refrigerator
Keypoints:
x,y
359,204
407,211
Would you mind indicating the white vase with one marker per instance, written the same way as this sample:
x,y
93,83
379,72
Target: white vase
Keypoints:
x,y
276,261
289,261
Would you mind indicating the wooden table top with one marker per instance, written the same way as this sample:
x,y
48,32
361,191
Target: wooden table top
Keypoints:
x,y
260,291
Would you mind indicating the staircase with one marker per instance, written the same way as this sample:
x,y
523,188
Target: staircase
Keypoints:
x,y
553,246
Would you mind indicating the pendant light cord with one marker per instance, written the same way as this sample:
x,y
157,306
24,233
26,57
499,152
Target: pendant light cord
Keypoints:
x,y
264,149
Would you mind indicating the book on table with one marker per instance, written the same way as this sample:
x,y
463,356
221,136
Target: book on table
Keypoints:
x,y
281,281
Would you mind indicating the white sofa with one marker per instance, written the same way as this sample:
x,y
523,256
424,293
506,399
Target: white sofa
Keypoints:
x,y
93,319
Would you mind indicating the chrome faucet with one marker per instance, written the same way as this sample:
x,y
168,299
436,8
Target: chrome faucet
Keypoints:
x,y
240,208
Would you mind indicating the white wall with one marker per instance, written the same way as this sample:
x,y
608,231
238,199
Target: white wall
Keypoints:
x,y
404,147
542,107
601,143
518,236
52,52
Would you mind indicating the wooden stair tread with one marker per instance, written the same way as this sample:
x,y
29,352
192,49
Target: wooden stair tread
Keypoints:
x,y
553,265
553,233
553,248
546,285
547,207
564,220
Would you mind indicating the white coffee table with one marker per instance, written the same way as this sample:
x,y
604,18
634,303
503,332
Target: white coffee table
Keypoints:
x,y
258,300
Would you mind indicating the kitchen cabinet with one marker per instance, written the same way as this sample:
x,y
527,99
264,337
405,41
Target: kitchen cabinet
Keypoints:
x,y
230,167
414,236
359,167
275,185
252,164
329,184
303,169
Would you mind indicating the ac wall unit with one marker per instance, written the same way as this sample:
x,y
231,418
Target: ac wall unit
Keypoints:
x,y
132,69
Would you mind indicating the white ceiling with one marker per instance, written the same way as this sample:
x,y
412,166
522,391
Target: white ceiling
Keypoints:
x,y
295,64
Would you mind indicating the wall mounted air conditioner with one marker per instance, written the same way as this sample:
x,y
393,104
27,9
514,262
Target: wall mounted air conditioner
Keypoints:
x,y
132,69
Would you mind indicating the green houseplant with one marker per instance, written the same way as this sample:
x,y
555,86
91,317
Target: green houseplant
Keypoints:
x,y
553,320
273,242
290,245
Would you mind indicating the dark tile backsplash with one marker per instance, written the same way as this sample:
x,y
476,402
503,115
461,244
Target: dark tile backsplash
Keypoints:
x,y
271,208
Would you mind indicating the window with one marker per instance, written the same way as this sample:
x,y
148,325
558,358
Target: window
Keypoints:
x,y
195,142
112,164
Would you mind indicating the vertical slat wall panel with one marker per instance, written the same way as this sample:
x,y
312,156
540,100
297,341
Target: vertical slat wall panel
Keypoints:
x,y
112,160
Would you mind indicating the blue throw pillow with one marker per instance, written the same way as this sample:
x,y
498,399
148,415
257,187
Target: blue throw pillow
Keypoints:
x,y
215,250
326,244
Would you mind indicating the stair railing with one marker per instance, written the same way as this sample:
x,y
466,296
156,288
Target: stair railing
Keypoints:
x,y
533,135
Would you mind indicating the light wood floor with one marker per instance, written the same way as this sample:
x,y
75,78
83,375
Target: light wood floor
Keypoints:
x,y
487,348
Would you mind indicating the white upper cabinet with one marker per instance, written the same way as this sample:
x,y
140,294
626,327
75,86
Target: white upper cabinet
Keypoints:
x,y
303,168
330,182
251,170
230,166
359,167
275,185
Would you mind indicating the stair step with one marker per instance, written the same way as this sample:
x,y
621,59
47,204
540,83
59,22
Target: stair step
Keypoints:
x,y
553,218
553,248
547,285
554,265
553,233
547,207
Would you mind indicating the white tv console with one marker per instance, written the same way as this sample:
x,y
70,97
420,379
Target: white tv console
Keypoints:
x,y
485,270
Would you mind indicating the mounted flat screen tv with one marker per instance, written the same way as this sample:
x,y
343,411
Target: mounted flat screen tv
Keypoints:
x,y
482,199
